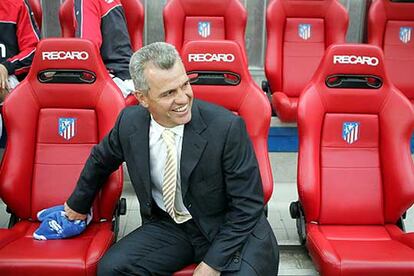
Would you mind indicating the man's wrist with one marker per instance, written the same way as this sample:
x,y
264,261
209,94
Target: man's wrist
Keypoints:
x,y
212,266
204,269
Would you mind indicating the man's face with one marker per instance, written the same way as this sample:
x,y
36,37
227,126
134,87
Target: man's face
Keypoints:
x,y
170,96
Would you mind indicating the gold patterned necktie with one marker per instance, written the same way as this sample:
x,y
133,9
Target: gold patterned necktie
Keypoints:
x,y
169,185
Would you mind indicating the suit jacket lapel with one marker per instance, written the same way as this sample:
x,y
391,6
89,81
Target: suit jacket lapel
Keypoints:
x,y
193,147
140,150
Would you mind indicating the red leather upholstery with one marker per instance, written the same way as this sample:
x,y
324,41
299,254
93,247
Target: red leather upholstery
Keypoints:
x,y
40,167
187,271
67,22
386,20
354,192
245,99
291,59
227,20
37,11
134,13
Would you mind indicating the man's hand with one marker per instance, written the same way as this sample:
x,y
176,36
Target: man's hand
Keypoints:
x,y
4,76
204,269
72,215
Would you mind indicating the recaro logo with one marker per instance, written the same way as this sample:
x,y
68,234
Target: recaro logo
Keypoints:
x,y
63,55
364,60
210,57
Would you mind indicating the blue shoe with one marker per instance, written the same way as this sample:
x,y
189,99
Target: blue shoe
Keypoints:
x,y
57,226
41,215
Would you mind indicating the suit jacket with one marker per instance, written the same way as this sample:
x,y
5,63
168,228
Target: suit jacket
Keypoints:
x,y
220,178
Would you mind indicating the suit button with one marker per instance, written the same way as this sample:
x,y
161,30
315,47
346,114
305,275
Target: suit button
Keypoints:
x,y
148,204
236,260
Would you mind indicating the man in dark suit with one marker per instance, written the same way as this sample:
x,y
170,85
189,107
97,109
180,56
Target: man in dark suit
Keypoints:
x,y
196,176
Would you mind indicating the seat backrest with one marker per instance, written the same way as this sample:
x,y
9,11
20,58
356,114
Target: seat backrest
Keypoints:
x,y
391,27
219,74
355,165
187,20
66,19
298,32
65,106
134,14
37,11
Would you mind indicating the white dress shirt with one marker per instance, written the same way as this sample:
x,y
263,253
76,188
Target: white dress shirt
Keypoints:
x,y
158,154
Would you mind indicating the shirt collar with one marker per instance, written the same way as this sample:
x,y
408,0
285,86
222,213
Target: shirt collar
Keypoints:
x,y
158,129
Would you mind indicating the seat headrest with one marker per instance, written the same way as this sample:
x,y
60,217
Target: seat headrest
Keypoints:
x,y
351,78
306,8
206,8
400,10
68,73
357,61
216,56
67,54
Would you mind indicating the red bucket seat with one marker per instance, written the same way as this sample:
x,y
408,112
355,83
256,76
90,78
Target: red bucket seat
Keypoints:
x,y
355,171
298,32
391,27
219,74
43,158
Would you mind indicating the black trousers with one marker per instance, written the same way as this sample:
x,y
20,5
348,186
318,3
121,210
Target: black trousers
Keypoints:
x,y
160,247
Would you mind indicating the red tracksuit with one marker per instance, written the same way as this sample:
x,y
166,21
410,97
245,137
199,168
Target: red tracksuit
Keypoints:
x,y
103,22
19,36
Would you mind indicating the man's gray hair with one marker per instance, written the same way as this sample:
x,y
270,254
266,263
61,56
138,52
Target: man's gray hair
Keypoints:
x,y
160,54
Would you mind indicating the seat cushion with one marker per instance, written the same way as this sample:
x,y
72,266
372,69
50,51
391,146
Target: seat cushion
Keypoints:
x,y
358,250
285,107
7,236
22,255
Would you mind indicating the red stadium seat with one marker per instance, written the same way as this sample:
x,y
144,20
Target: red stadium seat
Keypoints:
x,y
187,20
187,271
67,23
37,11
355,172
42,161
298,32
391,27
219,74
134,13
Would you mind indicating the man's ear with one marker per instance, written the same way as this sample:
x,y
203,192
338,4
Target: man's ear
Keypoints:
x,y
142,99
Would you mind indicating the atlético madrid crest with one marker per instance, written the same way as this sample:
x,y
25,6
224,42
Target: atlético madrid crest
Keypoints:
x,y
304,31
350,132
204,28
67,128
405,34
